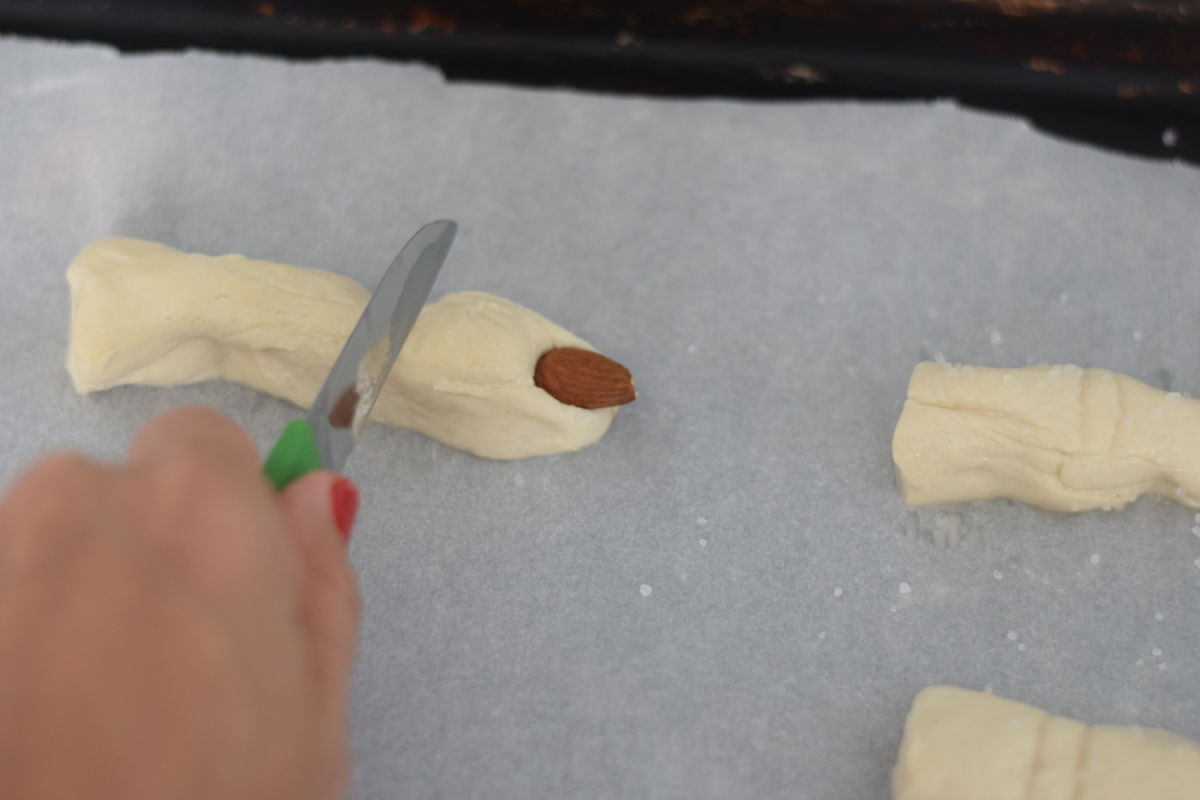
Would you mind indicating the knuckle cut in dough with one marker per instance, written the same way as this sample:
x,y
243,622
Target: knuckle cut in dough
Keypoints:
x,y
144,313
963,745
1057,437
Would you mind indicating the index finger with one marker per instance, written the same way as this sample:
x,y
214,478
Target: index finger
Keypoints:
x,y
205,504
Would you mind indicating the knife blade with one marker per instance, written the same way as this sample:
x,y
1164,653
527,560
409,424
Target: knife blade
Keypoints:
x,y
327,435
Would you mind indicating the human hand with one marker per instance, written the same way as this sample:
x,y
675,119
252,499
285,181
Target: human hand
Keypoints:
x,y
172,628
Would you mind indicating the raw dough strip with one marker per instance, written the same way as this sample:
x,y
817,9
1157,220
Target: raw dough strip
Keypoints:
x,y
1058,437
963,745
144,313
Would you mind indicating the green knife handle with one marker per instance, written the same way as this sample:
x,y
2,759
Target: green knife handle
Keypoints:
x,y
294,455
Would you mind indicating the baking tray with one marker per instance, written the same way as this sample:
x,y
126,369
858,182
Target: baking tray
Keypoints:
x,y
1121,73
725,596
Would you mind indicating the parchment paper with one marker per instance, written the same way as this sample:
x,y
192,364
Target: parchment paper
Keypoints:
x,y
725,597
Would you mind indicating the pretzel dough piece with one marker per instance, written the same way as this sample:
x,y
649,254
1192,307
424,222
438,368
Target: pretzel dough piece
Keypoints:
x,y
963,745
1057,437
144,313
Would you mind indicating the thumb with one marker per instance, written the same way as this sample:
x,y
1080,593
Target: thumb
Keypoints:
x,y
318,508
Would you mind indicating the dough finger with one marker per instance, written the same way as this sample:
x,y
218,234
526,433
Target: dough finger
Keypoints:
x,y
144,313
963,745
1057,437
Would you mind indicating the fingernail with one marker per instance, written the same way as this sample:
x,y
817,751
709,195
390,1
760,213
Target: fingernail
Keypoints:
x,y
345,505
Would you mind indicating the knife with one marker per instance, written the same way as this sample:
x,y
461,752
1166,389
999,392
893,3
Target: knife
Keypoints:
x,y
324,438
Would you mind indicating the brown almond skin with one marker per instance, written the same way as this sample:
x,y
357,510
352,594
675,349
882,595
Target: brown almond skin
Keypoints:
x,y
583,378
342,413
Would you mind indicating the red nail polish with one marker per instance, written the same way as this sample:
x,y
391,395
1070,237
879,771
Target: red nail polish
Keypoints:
x,y
344,499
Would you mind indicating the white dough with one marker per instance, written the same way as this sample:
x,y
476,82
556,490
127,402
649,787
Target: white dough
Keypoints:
x,y
144,313
962,745
1062,438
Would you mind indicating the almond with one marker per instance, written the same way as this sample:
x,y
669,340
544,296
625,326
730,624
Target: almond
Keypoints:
x,y
583,378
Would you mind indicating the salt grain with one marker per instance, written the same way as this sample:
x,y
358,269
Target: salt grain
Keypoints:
x,y
646,590
703,542
1095,559
837,591
1062,298
996,338
701,521
1163,666
997,574
1137,336
821,635
1158,616
1155,651
905,588
1011,636
1021,647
